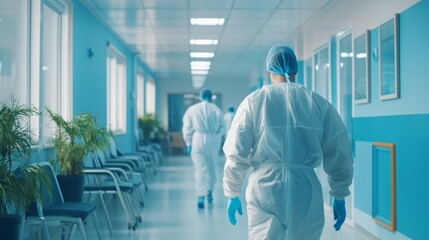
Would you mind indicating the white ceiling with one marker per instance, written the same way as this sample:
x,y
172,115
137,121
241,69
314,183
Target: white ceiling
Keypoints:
x,y
160,30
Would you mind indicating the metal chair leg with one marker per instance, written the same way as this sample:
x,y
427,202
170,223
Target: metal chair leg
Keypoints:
x,y
109,223
82,229
97,226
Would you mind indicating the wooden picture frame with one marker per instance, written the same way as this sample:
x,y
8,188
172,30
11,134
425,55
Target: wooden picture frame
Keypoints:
x,y
384,184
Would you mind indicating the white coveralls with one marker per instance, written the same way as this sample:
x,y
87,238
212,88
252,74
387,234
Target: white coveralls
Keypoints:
x,y
284,131
203,127
229,116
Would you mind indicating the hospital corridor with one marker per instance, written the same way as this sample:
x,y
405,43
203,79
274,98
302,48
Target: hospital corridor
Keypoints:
x,y
176,215
214,119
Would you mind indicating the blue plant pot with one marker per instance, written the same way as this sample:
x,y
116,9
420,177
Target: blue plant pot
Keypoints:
x,y
71,187
10,227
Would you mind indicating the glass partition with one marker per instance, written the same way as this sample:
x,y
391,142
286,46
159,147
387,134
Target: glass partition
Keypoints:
x,y
361,69
389,59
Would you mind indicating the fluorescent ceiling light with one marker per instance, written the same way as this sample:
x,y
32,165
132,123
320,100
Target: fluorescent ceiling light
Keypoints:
x,y
200,63
197,67
208,21
201,54
199,72
361,55
203,41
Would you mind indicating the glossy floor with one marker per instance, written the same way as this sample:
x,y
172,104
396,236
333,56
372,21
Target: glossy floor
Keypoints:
x,y
171,211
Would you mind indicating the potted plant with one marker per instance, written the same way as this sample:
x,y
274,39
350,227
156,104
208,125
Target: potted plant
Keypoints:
x,y
19,181
152,129
73,140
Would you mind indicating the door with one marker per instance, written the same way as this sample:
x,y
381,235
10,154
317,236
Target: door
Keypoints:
x,y
344,96
322,86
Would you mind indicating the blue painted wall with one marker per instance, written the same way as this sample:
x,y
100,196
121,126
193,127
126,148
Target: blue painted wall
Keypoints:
x,y
89,74
363,177
414,50
300,74
410,134
404,122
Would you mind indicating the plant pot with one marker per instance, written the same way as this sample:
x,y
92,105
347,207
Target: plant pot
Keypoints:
x,y
71,187
10,227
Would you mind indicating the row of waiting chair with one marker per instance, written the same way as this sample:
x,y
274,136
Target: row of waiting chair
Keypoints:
x,y
108,174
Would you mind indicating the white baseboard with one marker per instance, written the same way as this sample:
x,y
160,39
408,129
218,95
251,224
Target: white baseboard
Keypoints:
x,y
364,222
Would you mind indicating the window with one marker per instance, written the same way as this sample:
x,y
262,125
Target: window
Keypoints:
x,y
140,93
50,64
116,90
321,83
50,75
44,80
150,96
14,50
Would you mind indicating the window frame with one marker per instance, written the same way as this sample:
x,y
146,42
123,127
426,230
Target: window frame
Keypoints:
x,y
65,9
149,85
119,125
140,92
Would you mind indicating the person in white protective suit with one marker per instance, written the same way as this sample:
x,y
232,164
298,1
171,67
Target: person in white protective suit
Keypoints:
x,y
203,128
284,131
228,117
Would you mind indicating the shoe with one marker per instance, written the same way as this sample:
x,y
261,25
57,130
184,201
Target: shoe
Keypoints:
x,y
200,202
210,197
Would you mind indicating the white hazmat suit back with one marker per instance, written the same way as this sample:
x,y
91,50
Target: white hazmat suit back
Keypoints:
x,y
284,131
229,116
203,127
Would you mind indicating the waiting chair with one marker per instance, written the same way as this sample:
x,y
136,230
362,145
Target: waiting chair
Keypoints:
x,y
113,180
137,163
54,208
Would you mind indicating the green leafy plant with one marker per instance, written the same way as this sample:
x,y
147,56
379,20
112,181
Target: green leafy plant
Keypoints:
x,y
152,128
74,139
19,180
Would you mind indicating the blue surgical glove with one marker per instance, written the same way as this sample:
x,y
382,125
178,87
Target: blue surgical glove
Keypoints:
x,y
189,148
234,204
339,213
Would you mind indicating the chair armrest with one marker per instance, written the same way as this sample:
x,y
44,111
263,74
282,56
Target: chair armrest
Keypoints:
x,y
129,162
118,170
100,171
117,165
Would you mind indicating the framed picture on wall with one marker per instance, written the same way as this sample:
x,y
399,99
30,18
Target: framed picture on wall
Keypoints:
x,y
384,184
389,59
361,83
